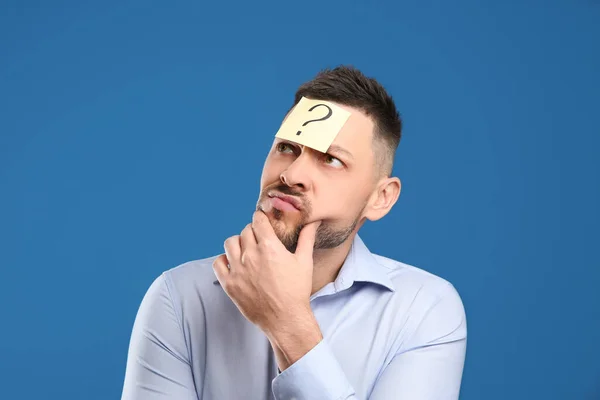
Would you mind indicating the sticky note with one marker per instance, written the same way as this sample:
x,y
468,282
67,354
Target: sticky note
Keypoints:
x,y
313,123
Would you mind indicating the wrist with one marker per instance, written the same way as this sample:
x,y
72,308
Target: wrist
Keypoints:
x,y
289,323
294,337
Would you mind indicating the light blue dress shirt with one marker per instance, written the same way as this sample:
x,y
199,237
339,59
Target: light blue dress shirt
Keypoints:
x,y
391,331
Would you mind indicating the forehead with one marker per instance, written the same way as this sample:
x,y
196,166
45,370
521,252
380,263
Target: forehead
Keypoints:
x,y
356,134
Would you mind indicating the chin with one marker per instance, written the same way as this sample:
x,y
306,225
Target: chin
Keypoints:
x,y
281,221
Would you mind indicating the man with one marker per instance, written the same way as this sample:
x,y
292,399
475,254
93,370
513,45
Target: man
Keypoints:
x,y
300,308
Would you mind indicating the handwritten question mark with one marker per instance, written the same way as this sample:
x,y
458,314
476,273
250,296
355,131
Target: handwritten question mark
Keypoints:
x,y
318,119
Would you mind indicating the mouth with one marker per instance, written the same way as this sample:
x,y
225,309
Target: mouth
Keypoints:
x,y
284,202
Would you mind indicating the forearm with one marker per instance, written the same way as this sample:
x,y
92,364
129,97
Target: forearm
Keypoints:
x,y
307,364
294,337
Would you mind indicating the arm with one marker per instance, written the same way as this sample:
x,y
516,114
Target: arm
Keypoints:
x,y
158,366
431,368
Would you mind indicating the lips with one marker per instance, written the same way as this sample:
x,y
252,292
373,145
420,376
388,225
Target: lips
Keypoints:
x,y
279,198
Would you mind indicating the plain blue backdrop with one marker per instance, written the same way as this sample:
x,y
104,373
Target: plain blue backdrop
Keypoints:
x,y
132,137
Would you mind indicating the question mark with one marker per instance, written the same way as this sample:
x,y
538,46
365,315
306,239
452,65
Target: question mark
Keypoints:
x,y
319,119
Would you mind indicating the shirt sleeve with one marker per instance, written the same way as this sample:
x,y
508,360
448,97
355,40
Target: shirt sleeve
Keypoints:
x,y
430,368
316,376
158,366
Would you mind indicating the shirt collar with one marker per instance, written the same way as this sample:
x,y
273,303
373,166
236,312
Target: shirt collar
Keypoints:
x,y
362,266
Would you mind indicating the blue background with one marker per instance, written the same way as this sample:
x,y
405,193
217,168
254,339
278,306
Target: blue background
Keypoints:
x,y
132,137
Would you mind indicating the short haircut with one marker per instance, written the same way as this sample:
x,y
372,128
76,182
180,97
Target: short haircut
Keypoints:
x,y
348,86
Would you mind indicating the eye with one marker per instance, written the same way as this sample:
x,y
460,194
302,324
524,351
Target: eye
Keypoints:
x,y
331,160
284,147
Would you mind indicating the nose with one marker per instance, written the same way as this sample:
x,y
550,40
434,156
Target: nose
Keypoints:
x,y
297,174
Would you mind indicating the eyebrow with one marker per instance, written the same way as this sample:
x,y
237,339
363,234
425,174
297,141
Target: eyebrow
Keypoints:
x,y
338,149
332,148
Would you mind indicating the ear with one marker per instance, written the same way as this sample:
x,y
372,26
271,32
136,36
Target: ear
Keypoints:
x,y
383,198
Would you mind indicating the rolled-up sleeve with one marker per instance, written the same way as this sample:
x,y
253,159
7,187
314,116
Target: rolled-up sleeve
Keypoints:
x,y
158,366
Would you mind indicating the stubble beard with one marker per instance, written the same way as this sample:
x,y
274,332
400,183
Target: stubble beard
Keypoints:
x,y
327,236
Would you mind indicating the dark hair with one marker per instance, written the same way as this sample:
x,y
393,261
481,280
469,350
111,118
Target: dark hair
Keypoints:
x,y
348,86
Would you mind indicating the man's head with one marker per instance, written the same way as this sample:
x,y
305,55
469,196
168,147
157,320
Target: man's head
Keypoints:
x,y
349,183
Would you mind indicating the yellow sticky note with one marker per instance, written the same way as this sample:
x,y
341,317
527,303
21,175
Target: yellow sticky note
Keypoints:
x,y
313,123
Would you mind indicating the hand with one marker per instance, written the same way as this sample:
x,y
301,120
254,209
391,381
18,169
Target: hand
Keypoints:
x,y
267,283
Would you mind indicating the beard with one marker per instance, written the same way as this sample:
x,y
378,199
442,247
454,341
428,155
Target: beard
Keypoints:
x,y
288,227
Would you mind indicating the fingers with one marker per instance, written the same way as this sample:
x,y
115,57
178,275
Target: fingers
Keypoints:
x,y
220,268
233,250
306,240
247,240
262,227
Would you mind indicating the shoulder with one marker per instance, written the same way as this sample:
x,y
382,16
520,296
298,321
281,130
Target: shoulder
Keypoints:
x,y
194,273
423,295
406,276
190,287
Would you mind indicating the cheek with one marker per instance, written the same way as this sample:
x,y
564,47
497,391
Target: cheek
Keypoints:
x,y
269,173
340,204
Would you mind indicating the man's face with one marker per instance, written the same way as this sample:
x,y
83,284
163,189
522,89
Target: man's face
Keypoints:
x,y
333,187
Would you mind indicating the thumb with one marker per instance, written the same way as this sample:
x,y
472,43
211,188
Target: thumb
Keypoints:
x,y
306,240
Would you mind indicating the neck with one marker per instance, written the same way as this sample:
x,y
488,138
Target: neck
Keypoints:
x,y
328,262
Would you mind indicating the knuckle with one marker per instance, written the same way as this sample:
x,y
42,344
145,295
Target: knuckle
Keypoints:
x,y
248,257
226,285
266,244
230,241
231,285
269,248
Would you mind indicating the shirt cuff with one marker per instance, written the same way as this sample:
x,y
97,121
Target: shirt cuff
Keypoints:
x,y
316,376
